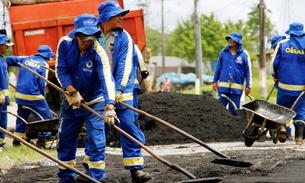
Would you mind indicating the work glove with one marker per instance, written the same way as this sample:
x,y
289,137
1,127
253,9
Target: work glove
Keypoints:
x,y
110,115
74,98
2,98
118,95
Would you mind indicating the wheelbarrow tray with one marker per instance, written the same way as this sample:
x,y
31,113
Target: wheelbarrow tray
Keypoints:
x,y
49,125
275,114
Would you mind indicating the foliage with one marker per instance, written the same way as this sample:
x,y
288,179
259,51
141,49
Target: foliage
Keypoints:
x,y
181,41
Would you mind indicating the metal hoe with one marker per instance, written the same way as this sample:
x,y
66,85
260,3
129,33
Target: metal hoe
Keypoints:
x,y
225,159
174,166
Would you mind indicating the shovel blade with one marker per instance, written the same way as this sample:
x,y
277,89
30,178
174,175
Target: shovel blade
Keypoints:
x,y
231,162
202,180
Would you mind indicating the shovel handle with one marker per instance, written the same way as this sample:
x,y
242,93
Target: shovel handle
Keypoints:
x,y
47,155
176,129
174,166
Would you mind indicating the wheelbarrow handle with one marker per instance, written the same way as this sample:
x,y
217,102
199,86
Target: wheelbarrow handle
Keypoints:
x,y
269,94
21,118
231,101
295,102
174,166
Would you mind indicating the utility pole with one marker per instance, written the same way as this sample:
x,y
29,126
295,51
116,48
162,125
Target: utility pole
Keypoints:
x,y
163,39
262,54
198,51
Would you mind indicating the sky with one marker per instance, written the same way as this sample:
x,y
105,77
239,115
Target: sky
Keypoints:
x,y
283,12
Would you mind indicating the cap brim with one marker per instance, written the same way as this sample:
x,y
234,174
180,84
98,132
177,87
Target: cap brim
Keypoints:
x,y
85,38
88,31
227,38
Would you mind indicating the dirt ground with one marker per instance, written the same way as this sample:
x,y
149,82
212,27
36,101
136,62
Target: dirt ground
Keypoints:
x,y
206,119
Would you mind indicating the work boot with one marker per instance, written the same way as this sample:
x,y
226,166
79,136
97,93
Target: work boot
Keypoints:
x,y
16,143
79,178
138,176
299,129
282,135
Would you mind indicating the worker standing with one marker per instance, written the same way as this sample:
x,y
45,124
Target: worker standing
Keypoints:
x,y
83,71
4,92
30,90
287,68
233,69
120,49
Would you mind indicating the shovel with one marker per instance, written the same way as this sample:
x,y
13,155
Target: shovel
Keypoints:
x,y
224,160
174,166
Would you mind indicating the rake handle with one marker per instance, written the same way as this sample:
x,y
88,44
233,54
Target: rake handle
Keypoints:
x,y
174,166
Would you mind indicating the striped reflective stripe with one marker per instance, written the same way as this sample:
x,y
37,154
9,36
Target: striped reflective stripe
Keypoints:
x,y
21,135
133,161
233,85
5,92
291,87
126,96
95,100
28,97
71,163
136,81
97,164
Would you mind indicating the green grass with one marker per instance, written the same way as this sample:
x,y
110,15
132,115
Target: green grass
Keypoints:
x,y
19,155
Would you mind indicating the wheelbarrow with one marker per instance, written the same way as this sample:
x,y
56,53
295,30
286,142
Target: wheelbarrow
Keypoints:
x,y
39,126
263,116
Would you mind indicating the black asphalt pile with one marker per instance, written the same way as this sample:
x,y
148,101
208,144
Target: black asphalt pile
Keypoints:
x,y
202,116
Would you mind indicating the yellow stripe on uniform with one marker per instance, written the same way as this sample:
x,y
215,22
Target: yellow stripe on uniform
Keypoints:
x,y
67,38
5,92
106,70
97,164
250,67
291,87
128,62
233,85
133,161
28,97
71,163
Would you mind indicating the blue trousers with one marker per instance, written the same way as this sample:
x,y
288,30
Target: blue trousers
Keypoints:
x,y
3,122
68,132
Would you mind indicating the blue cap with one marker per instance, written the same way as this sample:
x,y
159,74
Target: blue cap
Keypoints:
x,y
45,51
86,24
109,9
5,40
276,39
295,28
235,37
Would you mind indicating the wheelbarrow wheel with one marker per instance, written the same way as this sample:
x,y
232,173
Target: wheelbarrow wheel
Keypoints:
x,y
252,132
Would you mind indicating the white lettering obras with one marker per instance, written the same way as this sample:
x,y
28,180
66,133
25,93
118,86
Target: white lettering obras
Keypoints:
x,y
294,51
32,63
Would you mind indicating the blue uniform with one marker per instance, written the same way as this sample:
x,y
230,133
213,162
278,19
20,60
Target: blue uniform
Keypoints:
x,y
5,92
231,73
90,75
288,65
120,50
30,90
